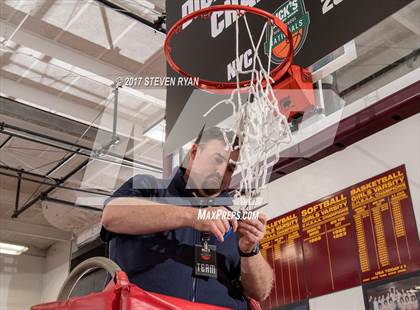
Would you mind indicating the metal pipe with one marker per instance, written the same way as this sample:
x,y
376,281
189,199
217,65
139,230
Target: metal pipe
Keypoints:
x,y
46,192
68,203
114,121
18,192
40,135
21,136
36,175
61,163
153,125
5,142
128,162
56,185
115,139
136,17
10,38
321,108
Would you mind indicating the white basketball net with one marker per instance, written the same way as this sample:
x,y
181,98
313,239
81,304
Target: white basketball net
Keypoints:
x,y
258,123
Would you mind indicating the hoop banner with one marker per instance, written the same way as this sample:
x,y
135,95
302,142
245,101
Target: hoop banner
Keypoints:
x,y
206,48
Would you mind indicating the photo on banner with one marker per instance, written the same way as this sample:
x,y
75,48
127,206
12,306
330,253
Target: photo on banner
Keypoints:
x,y
399,293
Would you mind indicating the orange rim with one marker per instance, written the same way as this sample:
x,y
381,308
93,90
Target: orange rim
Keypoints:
x,y
276,73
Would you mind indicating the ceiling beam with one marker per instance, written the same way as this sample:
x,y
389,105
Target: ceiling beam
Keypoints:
x,y
71,204
33,230
48,102
29,173
44,101
118,6
57,118
74,148
79,63
45,193
411,24
5,141
75,189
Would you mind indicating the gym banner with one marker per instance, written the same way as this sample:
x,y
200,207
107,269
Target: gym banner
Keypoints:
x,y
206,47
329,245
282,248
363,233
385,226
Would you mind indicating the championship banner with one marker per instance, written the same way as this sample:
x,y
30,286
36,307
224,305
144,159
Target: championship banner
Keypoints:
x,y
329,245
361,234
282,248
385,226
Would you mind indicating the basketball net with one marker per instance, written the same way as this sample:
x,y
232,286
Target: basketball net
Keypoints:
x,y
257,122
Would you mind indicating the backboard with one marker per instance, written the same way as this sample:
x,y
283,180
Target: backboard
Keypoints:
x,y
359,52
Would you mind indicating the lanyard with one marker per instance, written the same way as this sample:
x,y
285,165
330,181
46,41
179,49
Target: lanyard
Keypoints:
x,y
205,239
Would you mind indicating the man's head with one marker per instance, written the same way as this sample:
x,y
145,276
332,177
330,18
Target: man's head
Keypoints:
x,y
209,168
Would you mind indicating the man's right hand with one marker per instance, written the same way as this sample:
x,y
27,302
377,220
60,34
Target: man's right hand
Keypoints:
x,y
218,227
135,216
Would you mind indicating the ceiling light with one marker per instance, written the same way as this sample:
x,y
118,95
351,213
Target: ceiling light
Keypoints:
x,y
12,249
157,131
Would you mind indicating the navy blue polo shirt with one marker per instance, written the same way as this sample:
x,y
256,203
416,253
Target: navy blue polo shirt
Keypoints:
x,y
163,262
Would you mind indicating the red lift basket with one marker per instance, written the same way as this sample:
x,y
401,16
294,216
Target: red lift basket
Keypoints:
x,y
120,294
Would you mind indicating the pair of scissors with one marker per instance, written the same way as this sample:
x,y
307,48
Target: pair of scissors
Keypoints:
x,y
229,232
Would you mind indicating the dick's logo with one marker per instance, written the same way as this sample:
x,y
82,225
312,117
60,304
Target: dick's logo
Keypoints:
x,y
295,16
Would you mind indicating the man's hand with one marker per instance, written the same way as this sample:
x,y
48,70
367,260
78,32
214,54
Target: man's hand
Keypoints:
x,y
122,216
217,227
251,232
256,274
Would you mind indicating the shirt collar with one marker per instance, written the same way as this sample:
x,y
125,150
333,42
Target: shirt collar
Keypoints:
x,y
178,183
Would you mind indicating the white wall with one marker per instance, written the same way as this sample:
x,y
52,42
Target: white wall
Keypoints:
x,y
57,265
391,147
27,280
20,278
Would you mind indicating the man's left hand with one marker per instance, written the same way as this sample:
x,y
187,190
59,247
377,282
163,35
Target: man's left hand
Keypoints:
x,y
251,232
